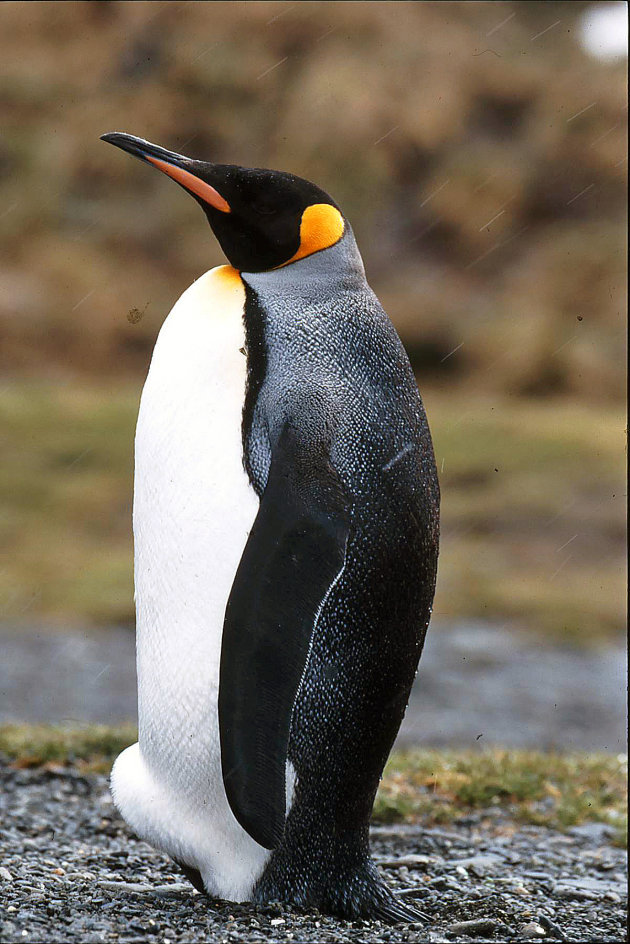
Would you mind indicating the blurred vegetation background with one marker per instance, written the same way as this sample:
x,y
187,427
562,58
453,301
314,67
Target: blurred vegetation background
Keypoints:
x,y
480,154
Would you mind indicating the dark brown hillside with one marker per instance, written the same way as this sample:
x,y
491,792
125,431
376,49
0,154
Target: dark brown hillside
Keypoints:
x,y
482,167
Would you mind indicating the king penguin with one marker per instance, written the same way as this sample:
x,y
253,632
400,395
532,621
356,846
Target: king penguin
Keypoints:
x,y
285,525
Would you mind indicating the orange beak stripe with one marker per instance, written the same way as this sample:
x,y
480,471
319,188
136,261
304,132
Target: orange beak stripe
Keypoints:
x,y
199,187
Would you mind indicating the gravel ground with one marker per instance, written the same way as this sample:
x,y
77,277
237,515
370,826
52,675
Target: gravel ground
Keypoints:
x,y
71,871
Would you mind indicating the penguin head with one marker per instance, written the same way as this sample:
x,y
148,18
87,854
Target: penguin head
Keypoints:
x,y
263,219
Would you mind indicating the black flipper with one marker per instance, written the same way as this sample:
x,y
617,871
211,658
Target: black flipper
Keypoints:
x,y
293,555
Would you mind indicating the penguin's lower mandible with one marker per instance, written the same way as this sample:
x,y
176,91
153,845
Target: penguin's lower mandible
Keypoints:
x,y
286,537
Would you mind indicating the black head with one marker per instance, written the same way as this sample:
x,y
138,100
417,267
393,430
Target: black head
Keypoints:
x,y
263,219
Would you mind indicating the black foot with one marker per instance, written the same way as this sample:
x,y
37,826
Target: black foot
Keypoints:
x,y
349,893
193,876
396,911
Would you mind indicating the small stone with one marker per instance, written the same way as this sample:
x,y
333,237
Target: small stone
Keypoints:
x,y
569,891
5,875
440,881
532,930
276,921
595,831
408,861
551,926
522,891
462,871
475,927
480,865
612,896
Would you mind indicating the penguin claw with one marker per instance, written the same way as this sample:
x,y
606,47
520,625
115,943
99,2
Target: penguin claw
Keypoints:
x,y
395,911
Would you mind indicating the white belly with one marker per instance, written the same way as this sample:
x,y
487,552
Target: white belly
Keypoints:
x,y
193,510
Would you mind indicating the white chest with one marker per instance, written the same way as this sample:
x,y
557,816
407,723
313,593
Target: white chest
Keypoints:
x,y
193,510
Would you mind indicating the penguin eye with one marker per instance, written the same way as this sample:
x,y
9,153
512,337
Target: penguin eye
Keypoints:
x,y
264,208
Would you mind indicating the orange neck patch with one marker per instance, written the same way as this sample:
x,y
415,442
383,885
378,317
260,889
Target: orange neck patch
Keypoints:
x,y
321,227
220,292
228,275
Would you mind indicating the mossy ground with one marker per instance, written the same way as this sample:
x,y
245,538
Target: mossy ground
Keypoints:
x,y
545,789
430,786
532,508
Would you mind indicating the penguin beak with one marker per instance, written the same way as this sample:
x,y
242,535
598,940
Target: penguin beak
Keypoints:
x,y
181,169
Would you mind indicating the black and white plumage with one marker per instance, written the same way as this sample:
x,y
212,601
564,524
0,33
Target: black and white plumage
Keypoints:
x,y
286,534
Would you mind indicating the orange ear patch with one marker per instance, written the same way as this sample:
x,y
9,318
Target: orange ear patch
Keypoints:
x,y
192,183
321,226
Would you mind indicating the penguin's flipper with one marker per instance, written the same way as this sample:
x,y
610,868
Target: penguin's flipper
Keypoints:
x,y
294,553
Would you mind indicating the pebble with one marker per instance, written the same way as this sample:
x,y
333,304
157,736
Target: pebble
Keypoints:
x,y
522,891
5,875
482,864
532,930
597,831
475,927
551,926
410,862
570,891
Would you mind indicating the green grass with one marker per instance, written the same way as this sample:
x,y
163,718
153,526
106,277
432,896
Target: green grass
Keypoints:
x,y
533,513
67,485
555,790
532,508
93,747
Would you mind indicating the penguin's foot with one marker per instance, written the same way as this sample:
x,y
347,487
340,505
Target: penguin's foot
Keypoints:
x,y
396,911
361,893
193,876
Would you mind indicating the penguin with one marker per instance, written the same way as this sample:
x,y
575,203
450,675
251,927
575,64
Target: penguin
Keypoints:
x,y
285,519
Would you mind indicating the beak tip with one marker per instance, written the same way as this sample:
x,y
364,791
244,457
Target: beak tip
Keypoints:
x,y
114,137
176,166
